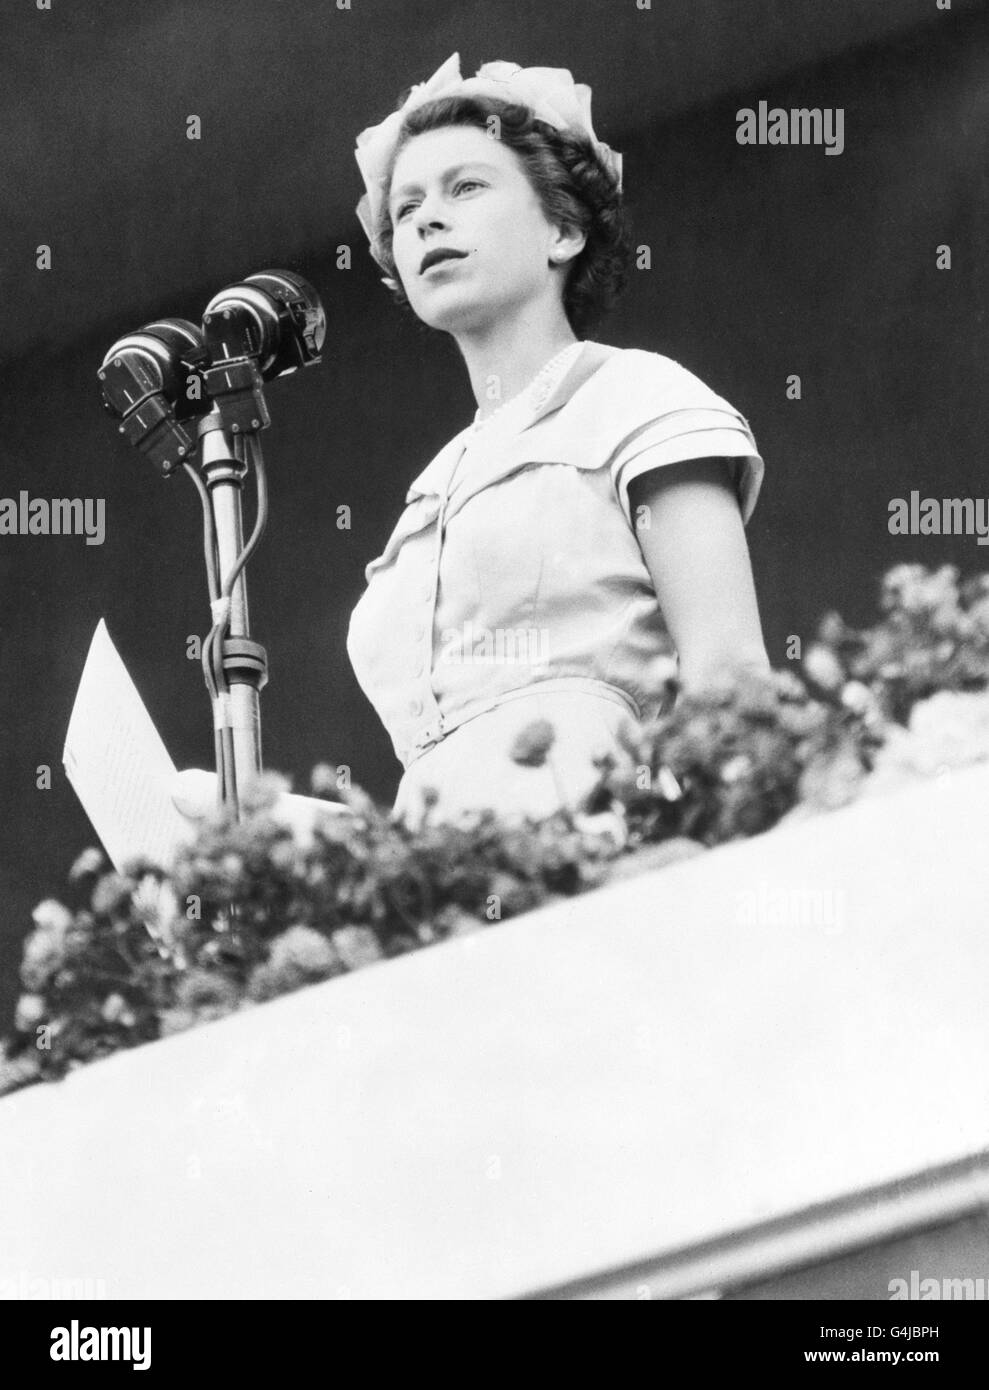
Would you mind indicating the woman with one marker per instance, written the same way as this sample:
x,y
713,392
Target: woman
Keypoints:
x,y
594,508
550,550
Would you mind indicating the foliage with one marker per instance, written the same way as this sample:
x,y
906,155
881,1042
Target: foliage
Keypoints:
x,y
250,912
933,636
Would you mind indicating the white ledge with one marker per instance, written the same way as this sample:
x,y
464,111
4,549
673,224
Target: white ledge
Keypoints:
x,y
604,1081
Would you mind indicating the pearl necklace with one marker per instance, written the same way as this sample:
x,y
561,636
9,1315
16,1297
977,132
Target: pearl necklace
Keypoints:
x,y
539,387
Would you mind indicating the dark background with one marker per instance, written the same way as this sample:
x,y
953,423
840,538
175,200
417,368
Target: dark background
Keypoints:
x,y
765,262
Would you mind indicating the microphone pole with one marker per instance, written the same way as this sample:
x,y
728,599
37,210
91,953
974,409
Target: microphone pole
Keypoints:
x,y
240,665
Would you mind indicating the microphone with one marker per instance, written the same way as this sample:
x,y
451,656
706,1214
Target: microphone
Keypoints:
x,y
275,316
263,327
152,381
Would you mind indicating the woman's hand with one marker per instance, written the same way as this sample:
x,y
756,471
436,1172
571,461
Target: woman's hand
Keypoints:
x,y
696,552
193,793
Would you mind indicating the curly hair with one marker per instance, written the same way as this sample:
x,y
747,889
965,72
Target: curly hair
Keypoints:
x,y
573,186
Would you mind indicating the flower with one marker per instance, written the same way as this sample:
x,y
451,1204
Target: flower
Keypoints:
x,y
52,916
357,946
45,948
116,1010
299,956
857,697
110,893
262,792
201,995
824,668
609,824
533,743
90,861
736,768
29,1013
155,903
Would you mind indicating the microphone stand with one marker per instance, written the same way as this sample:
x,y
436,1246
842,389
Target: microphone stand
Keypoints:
x,y
237,664
263,327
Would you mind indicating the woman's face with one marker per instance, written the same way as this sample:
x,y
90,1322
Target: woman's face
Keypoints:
x,y
458,189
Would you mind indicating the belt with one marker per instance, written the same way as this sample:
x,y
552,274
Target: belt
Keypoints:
x,y
442,727
426,737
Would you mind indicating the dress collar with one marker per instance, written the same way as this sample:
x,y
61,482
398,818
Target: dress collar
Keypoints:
x,y
437,473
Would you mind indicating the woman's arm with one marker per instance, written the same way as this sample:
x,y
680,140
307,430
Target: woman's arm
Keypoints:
x,y
695,550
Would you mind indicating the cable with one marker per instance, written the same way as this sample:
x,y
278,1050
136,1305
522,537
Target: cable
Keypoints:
x,y
253,447
209,642
212,569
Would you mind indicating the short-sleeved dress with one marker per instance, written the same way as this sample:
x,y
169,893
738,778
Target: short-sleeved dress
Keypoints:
x,y
513,587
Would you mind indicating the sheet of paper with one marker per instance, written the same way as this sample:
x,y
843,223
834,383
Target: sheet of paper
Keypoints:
x,y
117,763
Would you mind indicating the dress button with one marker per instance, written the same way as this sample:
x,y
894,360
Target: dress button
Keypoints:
x,y
418,632
415,708
418,667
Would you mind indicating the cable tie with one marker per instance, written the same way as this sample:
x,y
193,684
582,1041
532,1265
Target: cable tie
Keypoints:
x,y
222,711
220,608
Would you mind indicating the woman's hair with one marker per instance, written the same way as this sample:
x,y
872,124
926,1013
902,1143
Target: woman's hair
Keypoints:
x,y
573,186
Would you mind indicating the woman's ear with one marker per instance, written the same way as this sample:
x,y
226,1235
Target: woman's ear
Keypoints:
x,y
567,243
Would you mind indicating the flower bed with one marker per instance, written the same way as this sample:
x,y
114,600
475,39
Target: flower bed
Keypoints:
x,y
250,912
